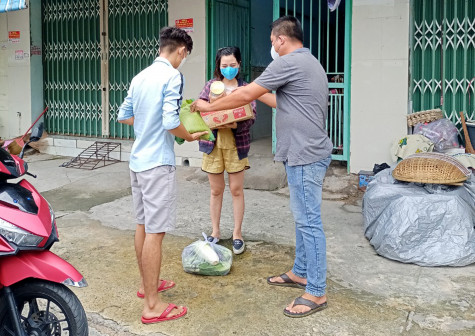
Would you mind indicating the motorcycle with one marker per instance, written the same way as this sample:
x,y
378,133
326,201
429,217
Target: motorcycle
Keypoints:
x,y
34,299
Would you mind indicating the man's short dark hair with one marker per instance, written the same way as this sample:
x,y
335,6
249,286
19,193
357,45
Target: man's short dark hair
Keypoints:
x,y
288,26
172,38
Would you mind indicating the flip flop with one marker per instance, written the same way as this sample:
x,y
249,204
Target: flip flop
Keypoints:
x,y
314,307
163,316
288,282
160,288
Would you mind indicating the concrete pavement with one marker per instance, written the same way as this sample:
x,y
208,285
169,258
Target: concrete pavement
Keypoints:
x,y
368,294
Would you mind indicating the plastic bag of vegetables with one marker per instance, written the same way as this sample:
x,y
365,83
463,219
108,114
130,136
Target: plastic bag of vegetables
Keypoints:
x,y
193,122
205,258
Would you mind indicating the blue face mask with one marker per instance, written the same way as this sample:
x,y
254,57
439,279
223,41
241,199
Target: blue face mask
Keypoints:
x,y
229,72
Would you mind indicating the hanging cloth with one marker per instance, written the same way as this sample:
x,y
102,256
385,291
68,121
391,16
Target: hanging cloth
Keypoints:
x,y
12,5
333,4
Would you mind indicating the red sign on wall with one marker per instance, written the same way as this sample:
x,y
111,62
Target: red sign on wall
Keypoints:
x,y
185,24
14,36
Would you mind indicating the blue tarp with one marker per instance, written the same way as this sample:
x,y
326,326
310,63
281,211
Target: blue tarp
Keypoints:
x,y
11,5
424,224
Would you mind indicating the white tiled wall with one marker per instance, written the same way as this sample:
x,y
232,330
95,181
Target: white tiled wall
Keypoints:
x,y
379,82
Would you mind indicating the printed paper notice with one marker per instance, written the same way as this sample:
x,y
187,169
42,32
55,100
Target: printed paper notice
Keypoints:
x,y
35,50
18,55
14,36
185,24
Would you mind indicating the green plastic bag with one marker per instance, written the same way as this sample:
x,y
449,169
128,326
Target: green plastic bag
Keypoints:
x,y
179,141
193,122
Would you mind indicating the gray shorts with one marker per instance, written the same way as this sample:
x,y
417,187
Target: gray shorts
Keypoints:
x,y
154,195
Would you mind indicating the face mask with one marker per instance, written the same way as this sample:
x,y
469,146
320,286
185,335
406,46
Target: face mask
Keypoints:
x,y
273,53
183,61
229,72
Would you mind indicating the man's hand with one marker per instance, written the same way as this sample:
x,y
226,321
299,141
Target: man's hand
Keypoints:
x,y
181,132
238,98
196,136
200,105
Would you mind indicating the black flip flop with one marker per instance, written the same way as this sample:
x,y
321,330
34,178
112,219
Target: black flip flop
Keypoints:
x,y
314,307
287,282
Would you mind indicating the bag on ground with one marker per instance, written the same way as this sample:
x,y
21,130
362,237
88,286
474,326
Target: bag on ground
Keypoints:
x,y
205,258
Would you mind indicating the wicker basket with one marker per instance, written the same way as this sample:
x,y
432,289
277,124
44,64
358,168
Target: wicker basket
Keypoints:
x,y
431,168
424,117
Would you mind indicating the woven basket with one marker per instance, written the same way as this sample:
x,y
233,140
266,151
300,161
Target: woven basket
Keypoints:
x,y
431,168
424,117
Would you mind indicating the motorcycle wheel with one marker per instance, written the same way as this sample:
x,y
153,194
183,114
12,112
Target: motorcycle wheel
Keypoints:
x,y
45,308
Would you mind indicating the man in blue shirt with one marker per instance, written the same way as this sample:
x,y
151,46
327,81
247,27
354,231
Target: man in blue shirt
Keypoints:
x,y
152,106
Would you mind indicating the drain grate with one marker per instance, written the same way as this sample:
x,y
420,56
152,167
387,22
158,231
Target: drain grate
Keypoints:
x,y
95,156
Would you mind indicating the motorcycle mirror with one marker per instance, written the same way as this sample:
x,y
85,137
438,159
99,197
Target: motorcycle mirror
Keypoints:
x,y
37,132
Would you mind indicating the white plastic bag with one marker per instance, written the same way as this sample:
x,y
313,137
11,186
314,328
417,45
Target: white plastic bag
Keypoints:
x,y
442,133
205,258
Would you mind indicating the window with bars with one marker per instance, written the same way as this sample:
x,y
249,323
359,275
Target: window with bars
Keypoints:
x,y
443,56
74,50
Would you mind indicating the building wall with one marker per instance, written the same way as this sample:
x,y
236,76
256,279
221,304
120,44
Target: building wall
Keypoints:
x,y
36,61
380,44
379,83
15,85
194,70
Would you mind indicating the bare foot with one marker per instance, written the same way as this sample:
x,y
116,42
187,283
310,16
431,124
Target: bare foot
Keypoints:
x,y
160,283
216,235
303,309
159,309
292,276
237,235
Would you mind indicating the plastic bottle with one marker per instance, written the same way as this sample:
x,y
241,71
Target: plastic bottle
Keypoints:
x,y
217,89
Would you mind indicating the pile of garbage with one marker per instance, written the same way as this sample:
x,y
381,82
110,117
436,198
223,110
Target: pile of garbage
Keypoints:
x,y
421,210
424,224
439,135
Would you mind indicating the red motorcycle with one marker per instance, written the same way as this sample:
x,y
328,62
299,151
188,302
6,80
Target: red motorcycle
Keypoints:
x,y
34,299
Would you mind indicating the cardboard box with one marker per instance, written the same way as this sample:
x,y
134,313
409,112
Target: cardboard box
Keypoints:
x,y
218,118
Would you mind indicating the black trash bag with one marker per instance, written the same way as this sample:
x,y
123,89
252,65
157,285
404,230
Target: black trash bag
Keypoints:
x,y
380,167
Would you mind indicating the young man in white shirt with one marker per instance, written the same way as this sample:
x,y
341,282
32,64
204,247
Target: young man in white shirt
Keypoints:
x,y
152,106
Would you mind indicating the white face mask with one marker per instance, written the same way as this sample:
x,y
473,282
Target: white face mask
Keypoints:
x,y
273,53
183,61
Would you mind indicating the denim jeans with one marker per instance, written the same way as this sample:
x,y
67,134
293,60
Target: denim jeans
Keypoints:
x,y
305,187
